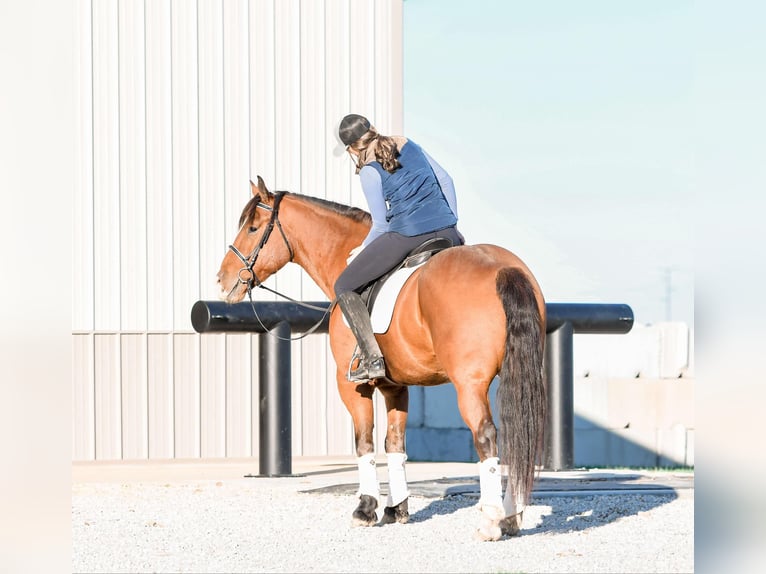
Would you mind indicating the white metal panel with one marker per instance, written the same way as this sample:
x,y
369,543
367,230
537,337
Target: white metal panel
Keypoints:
x,y
362,89
185,111
83,399
239,415
159,161
106,167
132,140
186,395
312,98
313,410
388,67
213,396
108,416
135,424
337,103
313,125
211,142
236,85
180,104
82,197
262,93
160,395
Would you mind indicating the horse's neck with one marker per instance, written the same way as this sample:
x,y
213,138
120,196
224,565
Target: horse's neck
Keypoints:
x,y
322,241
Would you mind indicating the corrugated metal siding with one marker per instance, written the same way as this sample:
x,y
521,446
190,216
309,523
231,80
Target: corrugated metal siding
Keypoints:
x,y
181,103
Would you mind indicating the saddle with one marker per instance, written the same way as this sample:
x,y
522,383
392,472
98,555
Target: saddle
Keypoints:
x,y
414,258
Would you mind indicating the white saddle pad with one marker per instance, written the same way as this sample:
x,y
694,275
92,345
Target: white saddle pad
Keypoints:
x,y
383,308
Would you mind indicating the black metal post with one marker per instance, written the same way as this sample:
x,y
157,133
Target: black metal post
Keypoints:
x,y
275,452
559,375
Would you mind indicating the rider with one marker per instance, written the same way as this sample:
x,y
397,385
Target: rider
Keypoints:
x,y
411,199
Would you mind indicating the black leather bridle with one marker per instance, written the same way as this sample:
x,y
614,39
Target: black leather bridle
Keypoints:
x,y
251,279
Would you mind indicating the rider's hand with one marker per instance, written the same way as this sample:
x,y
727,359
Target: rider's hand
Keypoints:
x,y
354,252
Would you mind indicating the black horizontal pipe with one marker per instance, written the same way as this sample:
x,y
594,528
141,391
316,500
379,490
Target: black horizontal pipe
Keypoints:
x,y
590,318
220,317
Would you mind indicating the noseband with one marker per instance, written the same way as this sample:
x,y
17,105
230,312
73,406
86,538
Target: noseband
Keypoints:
x,y
250,279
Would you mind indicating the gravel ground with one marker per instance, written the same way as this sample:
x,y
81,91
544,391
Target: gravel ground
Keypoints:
x,y
248,526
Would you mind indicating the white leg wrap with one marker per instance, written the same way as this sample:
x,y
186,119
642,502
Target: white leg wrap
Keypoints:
x,y
490,483
368,476
397,478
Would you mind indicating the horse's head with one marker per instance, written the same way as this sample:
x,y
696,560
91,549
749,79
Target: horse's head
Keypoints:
x,y
260,248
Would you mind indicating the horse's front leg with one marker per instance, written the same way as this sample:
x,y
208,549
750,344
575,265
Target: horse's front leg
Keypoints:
x,y
358,401
397,399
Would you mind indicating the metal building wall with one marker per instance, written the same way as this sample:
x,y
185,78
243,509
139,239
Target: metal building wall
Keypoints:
x,y
181,104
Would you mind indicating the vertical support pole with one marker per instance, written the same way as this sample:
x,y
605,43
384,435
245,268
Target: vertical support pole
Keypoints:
x,y
275,446
559,373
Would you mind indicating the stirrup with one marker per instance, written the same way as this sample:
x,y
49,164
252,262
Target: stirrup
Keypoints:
x,y
366,370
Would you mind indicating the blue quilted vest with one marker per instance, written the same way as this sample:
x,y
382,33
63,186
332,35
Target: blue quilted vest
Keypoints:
x,y
415,202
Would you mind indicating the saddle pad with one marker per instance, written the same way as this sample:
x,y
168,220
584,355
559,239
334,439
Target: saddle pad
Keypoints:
x,y
383,308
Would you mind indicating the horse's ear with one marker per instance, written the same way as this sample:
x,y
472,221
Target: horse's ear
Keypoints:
x,y
260,188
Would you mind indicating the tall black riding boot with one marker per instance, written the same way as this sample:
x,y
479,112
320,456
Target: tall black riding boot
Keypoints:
x,y
371,364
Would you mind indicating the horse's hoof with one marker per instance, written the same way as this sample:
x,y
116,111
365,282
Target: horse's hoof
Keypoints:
x,y
399,513
488,533
511,525
364,515
489,527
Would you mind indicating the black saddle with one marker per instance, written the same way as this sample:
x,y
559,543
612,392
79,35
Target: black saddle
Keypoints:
x,y
420,254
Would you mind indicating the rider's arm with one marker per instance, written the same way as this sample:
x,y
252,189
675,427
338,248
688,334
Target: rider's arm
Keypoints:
x,y
373,191
445,182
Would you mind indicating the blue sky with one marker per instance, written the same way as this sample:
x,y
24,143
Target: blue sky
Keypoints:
x,y
567,127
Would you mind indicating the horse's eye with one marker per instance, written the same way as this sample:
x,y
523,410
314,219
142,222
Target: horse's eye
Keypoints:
x,y
252,229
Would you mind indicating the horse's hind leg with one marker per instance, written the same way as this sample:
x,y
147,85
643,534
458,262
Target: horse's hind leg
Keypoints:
x,y
358,401
397,509
473,403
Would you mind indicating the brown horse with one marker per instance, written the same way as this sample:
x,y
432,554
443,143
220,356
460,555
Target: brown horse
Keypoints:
x,y
470,313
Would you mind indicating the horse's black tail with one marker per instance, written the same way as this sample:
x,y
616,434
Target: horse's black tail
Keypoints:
x,y
521,394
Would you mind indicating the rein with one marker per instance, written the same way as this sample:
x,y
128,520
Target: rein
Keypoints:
x,y
252,280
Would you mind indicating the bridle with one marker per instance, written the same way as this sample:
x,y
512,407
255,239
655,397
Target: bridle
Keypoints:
x,y
249,261
251,279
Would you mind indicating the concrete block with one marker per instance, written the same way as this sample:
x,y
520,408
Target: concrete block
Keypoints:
x,y
671,446
591,402
610,355
440,445
632,403
675,403
673,349
632,447
590,446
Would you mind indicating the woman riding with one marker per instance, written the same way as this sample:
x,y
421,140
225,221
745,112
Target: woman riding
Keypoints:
x,y
411,199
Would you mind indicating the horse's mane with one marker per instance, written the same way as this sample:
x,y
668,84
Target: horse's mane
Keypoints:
x,y
354,213
358,215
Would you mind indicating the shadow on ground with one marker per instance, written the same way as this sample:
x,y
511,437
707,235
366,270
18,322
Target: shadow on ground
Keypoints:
x,y
576,503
